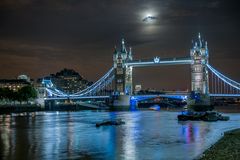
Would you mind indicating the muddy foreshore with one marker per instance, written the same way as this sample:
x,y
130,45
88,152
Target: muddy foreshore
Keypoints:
x,y
228,147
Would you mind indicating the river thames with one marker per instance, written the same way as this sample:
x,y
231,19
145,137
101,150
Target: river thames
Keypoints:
x,y
73,135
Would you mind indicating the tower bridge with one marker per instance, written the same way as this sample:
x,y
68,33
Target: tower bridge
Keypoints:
x,y
205,79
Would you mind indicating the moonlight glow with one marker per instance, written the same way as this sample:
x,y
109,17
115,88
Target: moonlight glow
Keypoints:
x,y
149,17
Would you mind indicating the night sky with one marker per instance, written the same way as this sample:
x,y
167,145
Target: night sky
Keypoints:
x,y
39,37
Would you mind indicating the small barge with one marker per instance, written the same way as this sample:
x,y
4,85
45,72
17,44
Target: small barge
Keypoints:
x,y
110,123
202,116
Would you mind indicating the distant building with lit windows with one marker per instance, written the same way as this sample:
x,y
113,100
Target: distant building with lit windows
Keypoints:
x,y
15,84
68,81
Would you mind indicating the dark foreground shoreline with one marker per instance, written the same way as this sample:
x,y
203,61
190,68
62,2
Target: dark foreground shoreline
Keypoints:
x,y
228,147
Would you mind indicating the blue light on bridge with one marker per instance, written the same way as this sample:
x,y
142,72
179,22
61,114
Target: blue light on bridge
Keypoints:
x,y
144,97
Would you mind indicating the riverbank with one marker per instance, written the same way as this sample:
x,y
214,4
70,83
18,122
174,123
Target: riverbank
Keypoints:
x,y
35,108
8,109
226,148
19,109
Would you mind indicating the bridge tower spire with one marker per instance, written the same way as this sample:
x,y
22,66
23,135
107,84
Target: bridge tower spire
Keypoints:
x,y
123,48
123,73
199,72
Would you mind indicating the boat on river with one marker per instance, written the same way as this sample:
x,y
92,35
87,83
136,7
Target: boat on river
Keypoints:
x,y
110,122
155,108
202,116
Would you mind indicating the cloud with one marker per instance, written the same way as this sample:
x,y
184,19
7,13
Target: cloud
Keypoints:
x,y
52,34
214,4
13,4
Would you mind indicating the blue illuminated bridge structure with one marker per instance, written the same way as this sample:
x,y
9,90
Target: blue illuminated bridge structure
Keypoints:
x,y
205,79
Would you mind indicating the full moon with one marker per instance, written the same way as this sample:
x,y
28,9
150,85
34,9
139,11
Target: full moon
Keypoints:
x,y
149,18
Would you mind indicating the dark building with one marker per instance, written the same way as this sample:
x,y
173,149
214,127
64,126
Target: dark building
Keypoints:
x,y
68,81
15,84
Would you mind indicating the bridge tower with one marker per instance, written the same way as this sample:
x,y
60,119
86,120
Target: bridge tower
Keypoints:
x,y
123,73
199,72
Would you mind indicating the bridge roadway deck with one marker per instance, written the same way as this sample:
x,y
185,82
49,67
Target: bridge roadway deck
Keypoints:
x,y
225,95
77,97
176,96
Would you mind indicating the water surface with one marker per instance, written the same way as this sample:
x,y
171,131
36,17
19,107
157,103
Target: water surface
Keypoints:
x,y
73,135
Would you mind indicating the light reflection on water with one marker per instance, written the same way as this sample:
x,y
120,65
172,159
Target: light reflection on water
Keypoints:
x,y
73,135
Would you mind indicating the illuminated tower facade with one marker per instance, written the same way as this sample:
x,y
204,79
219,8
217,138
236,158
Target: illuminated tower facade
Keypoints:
x,y
199,72
123,73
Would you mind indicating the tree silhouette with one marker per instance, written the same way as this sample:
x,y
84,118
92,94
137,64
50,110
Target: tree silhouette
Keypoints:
x,y
26,93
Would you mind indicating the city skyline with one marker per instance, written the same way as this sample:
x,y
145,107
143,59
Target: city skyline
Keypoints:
x,y
39,38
